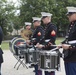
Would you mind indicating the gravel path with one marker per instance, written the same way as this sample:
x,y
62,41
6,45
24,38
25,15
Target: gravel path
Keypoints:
x,y
9,62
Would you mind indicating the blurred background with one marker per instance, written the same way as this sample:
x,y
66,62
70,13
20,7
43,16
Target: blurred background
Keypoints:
x,y
13,14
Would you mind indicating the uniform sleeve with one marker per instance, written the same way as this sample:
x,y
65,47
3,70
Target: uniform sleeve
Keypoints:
x,y
53,33
39,36
73,47
24,34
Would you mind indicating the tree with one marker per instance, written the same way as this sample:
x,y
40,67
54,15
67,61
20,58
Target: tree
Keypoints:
x,y
17,23
30,8
7,13
10,29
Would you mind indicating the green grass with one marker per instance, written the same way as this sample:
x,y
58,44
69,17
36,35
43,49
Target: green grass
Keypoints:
x,y
59,40
5,45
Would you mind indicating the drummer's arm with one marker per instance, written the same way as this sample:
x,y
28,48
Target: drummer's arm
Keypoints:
x,y
23,35
72,47
45,47
53,33
39,36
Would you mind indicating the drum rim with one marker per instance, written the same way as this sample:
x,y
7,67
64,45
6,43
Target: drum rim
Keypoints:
x,y
11,43
14,42
13,39
48,53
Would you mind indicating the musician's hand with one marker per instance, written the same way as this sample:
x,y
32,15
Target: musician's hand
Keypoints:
x,y
39,46
65,46
59,46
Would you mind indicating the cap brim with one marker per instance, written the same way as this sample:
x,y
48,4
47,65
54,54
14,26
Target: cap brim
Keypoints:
x,y
70,13
44,17
27,25
36,21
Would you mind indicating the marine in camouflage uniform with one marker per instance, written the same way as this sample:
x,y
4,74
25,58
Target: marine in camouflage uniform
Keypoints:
x,y
26,33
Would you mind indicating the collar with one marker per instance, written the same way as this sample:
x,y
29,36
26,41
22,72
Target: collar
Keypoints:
x,y
37,27
48,24
73,22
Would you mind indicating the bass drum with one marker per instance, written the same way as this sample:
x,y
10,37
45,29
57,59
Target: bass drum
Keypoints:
x,y
15,42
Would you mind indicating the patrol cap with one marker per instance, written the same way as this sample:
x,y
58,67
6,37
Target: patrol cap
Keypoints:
x,y
71,10
44,14
27,24
36,19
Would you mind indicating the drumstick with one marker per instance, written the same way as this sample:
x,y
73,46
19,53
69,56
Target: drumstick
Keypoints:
x,y
53,49
56,45
23,42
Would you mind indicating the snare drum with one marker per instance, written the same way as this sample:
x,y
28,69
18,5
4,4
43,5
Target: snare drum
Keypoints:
x,y
14,42
32,56
10,44
49,60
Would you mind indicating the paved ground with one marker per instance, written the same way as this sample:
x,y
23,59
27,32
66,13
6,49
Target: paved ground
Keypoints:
x,y
9,62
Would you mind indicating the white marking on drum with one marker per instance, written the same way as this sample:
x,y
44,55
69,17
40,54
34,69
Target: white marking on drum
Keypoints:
x,y
30,58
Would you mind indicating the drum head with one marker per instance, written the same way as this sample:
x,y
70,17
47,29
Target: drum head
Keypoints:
x,y
16,42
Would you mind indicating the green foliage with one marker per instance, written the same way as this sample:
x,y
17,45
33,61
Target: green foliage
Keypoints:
x,y
10,28
31,8
7,16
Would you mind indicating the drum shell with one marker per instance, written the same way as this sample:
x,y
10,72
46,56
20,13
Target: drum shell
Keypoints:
x,y
49,61
32,56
